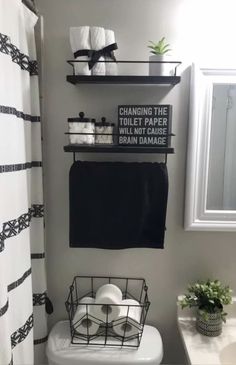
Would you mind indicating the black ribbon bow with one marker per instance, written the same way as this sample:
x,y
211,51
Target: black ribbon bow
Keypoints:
x,y
95,55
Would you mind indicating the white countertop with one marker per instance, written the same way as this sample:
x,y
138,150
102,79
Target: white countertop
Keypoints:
x,y
203,350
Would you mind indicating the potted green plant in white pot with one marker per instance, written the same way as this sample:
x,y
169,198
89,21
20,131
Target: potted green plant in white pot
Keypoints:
x,y
160,52
209,298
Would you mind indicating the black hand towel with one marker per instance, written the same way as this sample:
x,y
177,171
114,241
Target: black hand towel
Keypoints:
x,y
117,205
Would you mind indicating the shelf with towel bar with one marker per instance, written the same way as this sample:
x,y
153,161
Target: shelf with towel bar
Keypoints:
x,y
117,149
126,79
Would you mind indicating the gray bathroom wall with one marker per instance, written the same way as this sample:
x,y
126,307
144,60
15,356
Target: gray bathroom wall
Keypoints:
x,y
187,256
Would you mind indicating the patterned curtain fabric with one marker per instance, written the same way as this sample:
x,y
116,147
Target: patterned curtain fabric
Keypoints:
x,y
23,321
31,5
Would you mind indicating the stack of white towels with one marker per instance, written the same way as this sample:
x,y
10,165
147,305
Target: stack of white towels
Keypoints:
x,y
92,38
124,316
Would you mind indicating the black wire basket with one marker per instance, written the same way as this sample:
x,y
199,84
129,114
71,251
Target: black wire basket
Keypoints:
x,y
130,331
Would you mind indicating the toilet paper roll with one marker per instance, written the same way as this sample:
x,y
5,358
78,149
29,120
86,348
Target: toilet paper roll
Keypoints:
x,y
128,322
83,319
107,295
111,68
80,40
97,40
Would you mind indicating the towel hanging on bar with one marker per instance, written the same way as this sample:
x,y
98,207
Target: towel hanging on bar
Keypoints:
x,y
117,205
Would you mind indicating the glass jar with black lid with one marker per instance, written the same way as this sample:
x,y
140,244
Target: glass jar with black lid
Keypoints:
x,y
104,132
82,129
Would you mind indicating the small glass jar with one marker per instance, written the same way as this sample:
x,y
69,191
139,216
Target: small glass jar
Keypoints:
x,y
104,132
79,126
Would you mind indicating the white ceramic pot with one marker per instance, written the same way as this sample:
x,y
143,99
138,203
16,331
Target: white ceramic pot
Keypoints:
x,y
160,69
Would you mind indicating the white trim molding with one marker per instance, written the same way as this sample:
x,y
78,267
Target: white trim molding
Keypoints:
x,y
197,216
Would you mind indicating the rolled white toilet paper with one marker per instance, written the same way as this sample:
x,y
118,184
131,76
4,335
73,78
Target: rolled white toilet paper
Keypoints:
x,y
128,321
83,319
80,40
97,40
111,68
109,296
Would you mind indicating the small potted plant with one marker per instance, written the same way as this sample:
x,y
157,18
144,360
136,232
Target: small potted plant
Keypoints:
x,y
159,52
208,297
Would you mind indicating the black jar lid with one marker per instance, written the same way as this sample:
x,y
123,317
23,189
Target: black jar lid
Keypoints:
x,y
81,119
104,123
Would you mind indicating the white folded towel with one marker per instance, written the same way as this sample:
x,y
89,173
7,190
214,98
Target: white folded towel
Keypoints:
x,y
80,40
111,68
97,40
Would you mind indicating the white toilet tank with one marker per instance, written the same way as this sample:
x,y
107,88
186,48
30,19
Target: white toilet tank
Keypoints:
x,y
60,351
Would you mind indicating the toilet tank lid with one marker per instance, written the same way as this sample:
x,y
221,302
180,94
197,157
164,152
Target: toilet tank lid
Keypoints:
x,y
60,351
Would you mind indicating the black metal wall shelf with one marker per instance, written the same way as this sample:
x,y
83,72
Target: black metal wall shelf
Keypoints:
x,y
129,80
117,149
137,80
126,79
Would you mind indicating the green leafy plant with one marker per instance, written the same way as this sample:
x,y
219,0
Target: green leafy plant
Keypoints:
x,y
159,48
209,297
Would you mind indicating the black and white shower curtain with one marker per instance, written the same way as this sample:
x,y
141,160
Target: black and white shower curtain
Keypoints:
x,y
23,322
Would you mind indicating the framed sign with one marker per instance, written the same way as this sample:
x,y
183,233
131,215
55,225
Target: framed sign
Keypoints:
x,y
144,125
